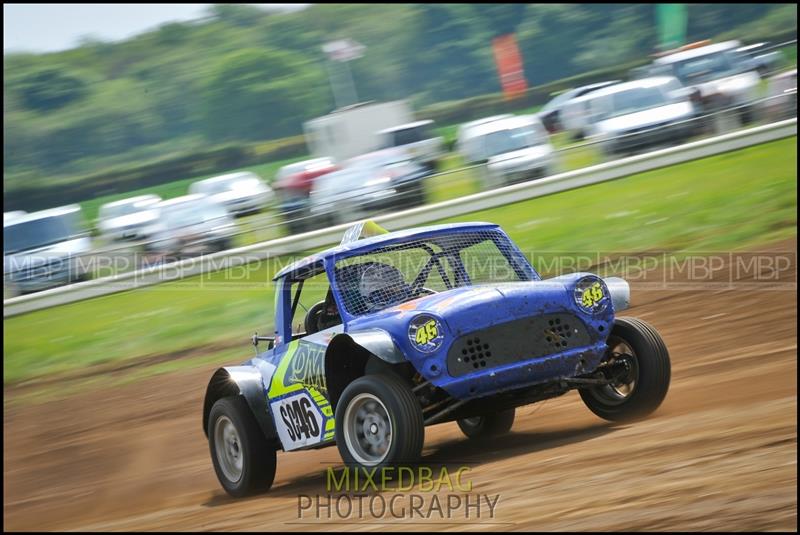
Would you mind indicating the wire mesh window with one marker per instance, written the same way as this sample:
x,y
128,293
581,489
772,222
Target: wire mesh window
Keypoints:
x,y
398,273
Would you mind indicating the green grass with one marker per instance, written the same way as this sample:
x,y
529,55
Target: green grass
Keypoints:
x,y
789,56
734,200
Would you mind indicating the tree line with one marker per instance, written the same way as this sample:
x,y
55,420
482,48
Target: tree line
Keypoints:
x,y
242,74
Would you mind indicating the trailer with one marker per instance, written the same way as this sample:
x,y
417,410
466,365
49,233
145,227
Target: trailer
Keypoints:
x,y
354,130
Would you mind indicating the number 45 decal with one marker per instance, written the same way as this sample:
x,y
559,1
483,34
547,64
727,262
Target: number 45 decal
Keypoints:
x,y
297,420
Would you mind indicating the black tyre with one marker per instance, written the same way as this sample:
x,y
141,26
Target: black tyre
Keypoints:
x,y
643,388
295,227
298,221
81,277
488,425
330,219
379,423
243,459
418,196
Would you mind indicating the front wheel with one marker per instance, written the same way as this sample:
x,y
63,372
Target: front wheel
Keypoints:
x,y
243,459
224,244
636,347
379,423
488,425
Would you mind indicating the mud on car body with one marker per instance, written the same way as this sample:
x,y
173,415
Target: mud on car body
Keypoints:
x,y
420,327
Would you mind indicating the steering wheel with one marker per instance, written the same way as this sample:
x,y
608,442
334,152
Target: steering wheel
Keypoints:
x,y
313,315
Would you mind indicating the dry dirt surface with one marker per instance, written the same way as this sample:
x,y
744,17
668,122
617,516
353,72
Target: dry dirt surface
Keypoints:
x,y
720,453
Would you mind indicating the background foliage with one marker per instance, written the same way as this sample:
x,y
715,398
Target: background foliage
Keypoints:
x,y
243,75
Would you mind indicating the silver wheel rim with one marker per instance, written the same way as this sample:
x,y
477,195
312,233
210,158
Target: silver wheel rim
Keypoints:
x,y
619,392
367,429
228,447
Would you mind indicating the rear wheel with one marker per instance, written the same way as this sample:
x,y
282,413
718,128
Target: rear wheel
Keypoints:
x,y
296,226
488,425
243,459
636,347
379,423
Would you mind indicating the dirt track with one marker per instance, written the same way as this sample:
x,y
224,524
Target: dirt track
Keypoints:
x,y
720,454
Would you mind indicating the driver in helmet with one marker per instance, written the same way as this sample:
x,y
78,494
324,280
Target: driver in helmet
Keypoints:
x,y
382,285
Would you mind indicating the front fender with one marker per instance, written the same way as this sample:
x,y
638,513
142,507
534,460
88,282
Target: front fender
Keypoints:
x,y
620,292
379,343
349,354
246,381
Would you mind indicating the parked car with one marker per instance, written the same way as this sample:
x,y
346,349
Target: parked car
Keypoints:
x,y
128,219
781,102
551,113
640,114
367,184
241,193
417,139
45,249
420,327
466,134
190,225
292,188
514,149
719,76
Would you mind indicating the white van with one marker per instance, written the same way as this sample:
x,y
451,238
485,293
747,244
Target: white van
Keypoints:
x,y
514,149
466,143
417,139
45,249
633,116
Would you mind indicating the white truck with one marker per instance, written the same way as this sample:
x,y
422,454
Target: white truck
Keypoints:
x,y
354,130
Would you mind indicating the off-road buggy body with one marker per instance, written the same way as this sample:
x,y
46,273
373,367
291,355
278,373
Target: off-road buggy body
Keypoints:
x,y
419,327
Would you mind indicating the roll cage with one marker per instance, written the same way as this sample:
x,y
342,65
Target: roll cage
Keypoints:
x,y
290,284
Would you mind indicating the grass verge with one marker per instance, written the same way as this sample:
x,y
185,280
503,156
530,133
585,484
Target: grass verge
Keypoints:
x,y
721,203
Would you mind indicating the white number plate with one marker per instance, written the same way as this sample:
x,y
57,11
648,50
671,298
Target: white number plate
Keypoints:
x,y
298,420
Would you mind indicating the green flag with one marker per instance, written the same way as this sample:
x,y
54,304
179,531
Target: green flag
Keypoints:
x,y
671,21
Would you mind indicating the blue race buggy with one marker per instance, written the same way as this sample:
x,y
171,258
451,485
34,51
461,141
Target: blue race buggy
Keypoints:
x,y
419,327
